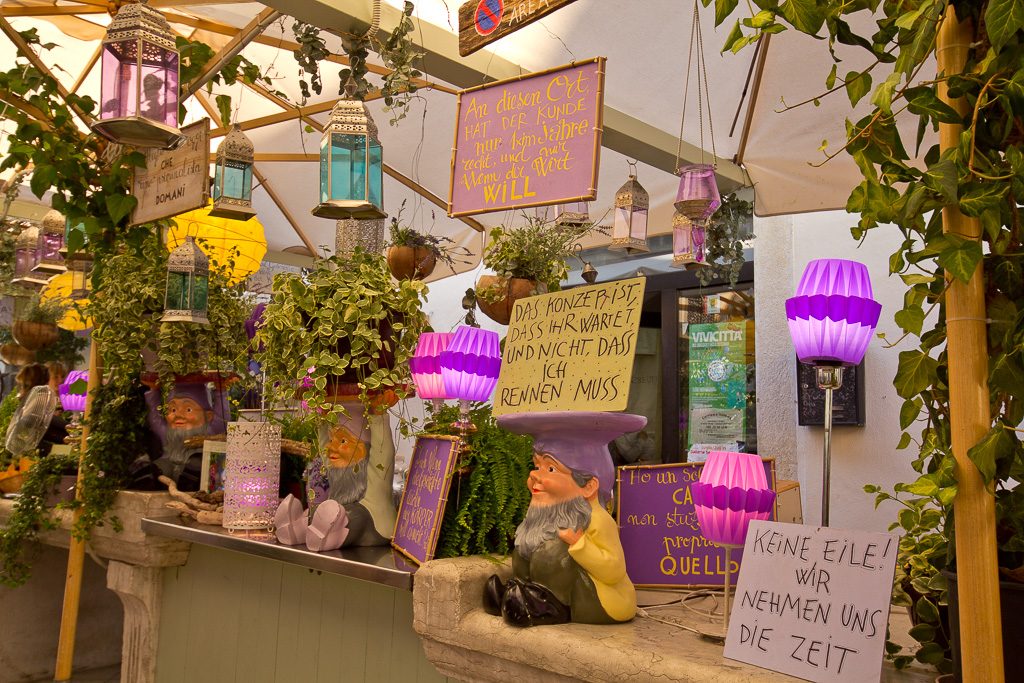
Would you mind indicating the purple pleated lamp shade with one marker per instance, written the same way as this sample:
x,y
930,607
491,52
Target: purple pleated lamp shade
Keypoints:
x,y
698,195
425,365
731,492
470,364
72,401
833,314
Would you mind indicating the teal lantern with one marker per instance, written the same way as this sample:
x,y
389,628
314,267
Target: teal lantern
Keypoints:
x,y
351,163
188,281
232,180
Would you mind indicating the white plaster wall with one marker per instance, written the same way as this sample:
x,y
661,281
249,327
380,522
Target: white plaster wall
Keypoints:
x,y
860,455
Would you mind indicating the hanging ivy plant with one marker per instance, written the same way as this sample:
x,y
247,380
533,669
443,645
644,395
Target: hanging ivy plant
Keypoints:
x,y
723,240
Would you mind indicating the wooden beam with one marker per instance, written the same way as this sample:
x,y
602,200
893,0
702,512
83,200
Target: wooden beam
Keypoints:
x,y
280,117
88,67
283,209
34,112
430,196
251,30
49,10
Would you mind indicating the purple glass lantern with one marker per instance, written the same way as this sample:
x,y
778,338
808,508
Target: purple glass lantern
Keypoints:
x,y
833,314
470,366
72,400
139,92
629,228
698,197
425,366
50,244
573,214
682,240
26,257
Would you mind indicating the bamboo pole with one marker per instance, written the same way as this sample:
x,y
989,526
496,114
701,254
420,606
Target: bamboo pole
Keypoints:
x,y
76,549
981,641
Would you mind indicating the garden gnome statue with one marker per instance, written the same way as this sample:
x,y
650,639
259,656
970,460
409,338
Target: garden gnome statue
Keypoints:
x,y
568,563
189,413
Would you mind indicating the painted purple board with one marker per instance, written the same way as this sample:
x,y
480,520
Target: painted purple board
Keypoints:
x,y
528,141
658,527
426,491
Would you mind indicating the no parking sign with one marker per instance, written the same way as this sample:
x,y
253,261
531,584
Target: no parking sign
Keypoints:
x,y
488,16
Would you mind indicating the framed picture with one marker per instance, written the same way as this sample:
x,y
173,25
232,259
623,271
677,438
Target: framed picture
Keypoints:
x,y
426,492
212,477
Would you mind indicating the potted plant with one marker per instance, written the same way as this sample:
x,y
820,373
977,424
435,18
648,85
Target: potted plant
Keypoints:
x,y
344,328
413,255
526,260
36,326
727,229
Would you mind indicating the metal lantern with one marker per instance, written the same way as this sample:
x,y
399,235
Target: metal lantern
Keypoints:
x,y
50,244
573,214
366,233
26,257
629,231
188,280
232,180
351,163
139,91
80,267
698,197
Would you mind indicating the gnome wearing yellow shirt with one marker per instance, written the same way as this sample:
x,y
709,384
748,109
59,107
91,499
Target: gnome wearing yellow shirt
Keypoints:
x,y
568,563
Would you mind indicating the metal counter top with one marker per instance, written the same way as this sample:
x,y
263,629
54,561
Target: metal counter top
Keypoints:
x,y
380,564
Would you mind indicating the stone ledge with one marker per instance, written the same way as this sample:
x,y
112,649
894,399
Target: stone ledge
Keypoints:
x,y
464,642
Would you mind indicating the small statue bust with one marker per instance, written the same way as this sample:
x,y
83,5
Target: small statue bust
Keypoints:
x,y
568,563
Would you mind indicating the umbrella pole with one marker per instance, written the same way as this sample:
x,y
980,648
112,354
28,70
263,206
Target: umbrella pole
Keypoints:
x,y
76,548
981,646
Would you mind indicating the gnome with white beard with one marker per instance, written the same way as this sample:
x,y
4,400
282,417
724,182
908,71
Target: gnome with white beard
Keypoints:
x,y
188,413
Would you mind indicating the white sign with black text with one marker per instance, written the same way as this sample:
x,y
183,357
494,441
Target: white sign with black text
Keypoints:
x,y
813,602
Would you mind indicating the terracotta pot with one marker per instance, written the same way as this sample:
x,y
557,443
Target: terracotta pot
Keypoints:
x,y
17,355
34,336
411,263
515,288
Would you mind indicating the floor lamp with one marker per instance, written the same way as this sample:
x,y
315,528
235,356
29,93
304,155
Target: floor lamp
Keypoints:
x,y
831,320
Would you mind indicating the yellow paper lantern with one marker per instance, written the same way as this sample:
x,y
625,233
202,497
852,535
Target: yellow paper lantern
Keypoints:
x,y
218,237
59,289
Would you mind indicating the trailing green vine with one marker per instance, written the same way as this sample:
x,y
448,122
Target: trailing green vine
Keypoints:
x,y
723,240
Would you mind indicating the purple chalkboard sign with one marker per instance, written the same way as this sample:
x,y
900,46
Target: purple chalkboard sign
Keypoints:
x,y
426,490
528,141
658,527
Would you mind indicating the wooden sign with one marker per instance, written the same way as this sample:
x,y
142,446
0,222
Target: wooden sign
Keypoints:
x,y
534,140
571,350
485,21
813,602
423,500
659,531
174,180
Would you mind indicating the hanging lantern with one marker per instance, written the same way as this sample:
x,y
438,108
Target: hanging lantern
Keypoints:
x,y
26,258
682,240
50,244
366,233
698,197
351,163
232,179
573,214
629,231
188,278
80,267
139,92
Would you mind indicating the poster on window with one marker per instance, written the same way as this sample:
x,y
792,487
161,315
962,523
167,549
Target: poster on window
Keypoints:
x,y
718,387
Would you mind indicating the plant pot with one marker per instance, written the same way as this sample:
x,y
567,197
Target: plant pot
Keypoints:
x,y
1011,601
16,354
411,263
515,288
34,336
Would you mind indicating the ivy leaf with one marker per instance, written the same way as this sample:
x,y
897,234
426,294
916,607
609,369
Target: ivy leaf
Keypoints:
x,y
976,198
910,319
961,259
1003,18
858,84
924,102
830,80
997,445
805,15
119,206
909,412
43,178
723,8
917,371
735,35
904,441
224,107
942,177
1007,374
883,93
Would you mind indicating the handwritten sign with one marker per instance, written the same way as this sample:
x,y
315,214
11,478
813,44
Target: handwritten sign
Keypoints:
x,y
571,350
426,490
528,141
813,602
174,180
658,527
484,21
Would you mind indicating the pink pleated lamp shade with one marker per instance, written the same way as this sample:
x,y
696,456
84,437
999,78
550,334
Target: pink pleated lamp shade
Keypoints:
x,y
833,314
731,492
425,365
470,364
698,197
73,401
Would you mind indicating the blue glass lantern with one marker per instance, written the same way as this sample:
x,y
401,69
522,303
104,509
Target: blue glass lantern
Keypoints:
x,y
351,163
232,179
139,80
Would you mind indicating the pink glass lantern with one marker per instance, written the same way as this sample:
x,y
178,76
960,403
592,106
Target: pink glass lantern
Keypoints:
x,y
72,400
470,367
731,492
50,244
425,366
682,240
629,229
139,91
833,314
698,197
26,258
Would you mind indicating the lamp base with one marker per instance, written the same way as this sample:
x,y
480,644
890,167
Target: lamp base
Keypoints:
x,y
136,131
347,208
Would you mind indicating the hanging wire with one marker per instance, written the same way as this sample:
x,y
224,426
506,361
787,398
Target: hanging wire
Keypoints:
x,y
703,93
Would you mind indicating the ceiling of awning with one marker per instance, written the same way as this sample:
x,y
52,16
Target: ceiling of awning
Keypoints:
x,y
647,49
